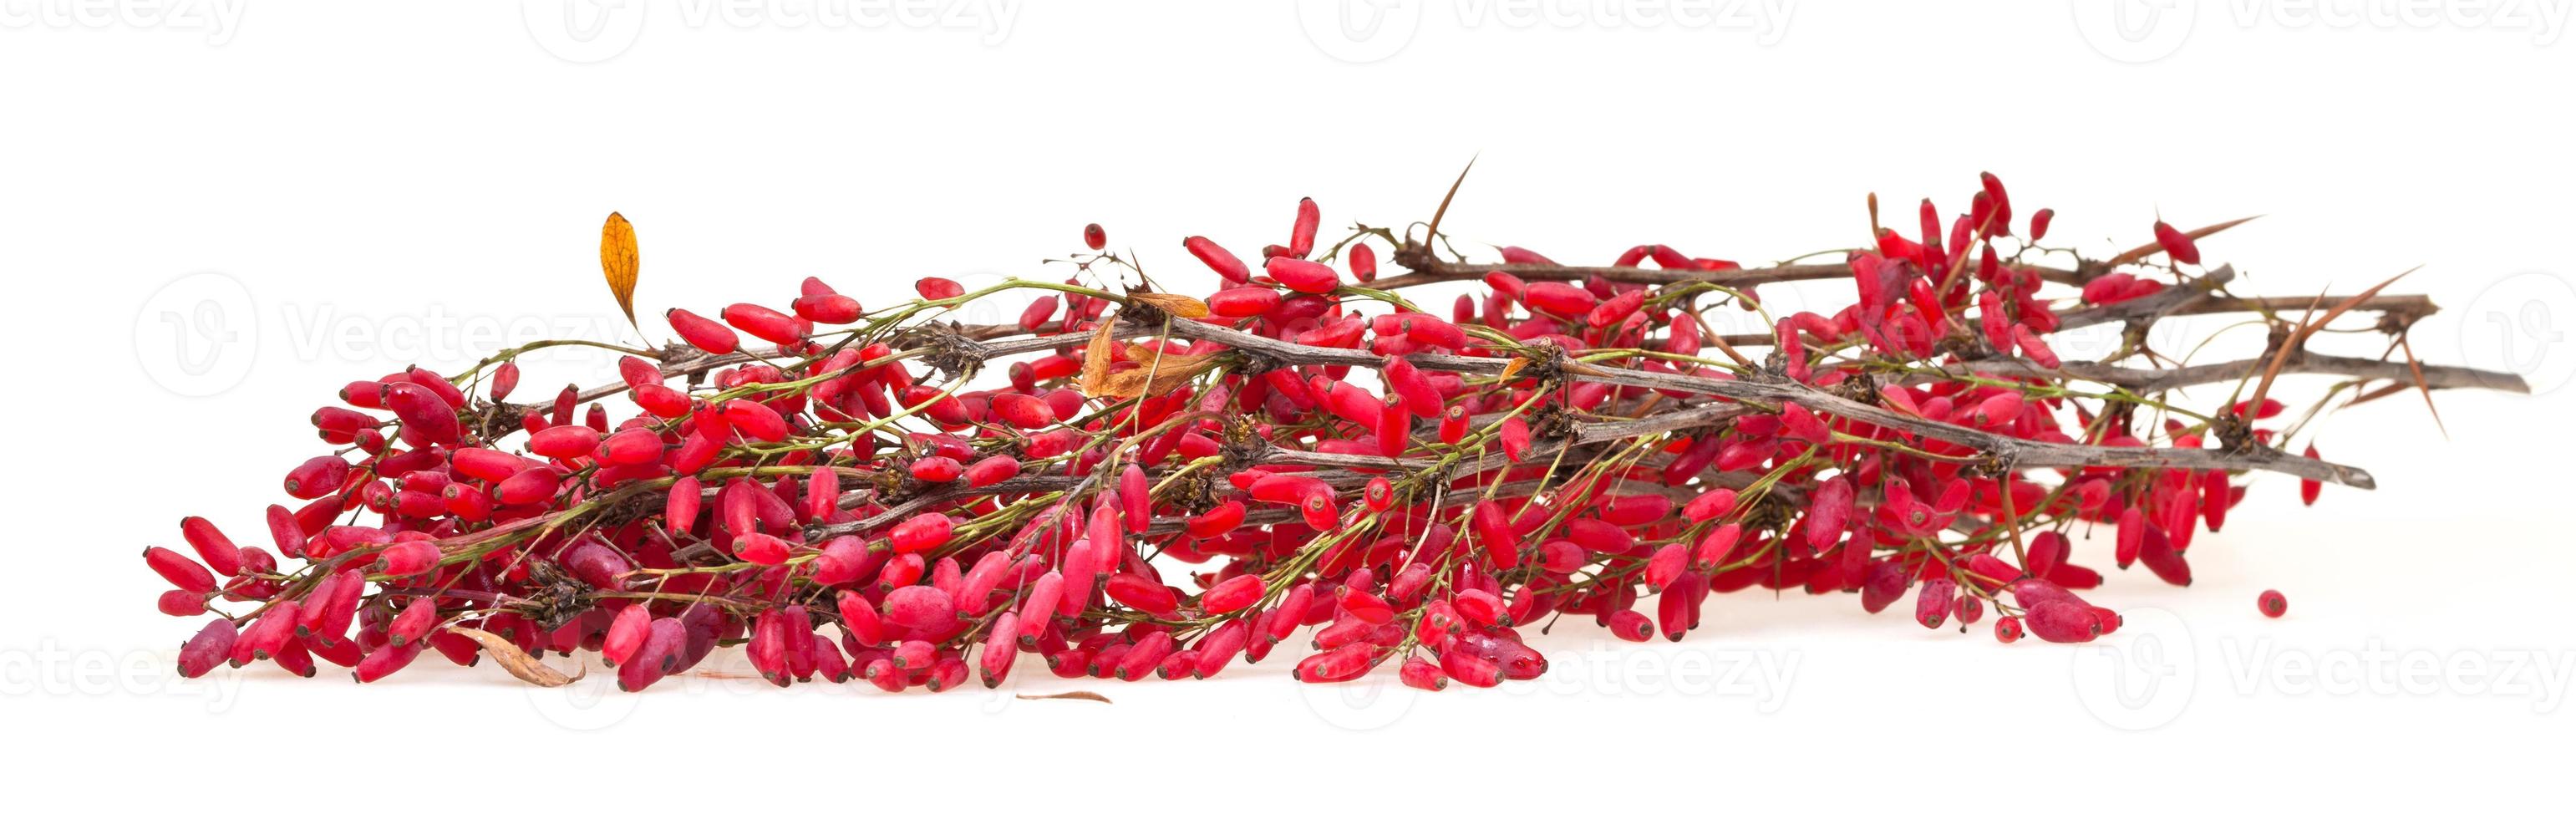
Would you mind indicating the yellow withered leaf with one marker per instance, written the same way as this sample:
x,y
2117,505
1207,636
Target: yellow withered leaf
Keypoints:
x,y
512,660
1172,303
618,261
1513,367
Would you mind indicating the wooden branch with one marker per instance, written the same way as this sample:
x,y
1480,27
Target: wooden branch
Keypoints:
x,y
1432,272
2142,380
2007,451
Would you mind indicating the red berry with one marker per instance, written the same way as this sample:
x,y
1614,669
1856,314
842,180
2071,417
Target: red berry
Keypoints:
x,y
1217,259
218,551
1379,494
1301,275
209,647
922,532
1234,594
920,608
701,332
1243,302
827,308
179,570
1627,624
2177,244
937,289
1301,236
937,469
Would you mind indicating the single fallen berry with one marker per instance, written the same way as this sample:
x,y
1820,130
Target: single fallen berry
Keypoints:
x,y
2272,603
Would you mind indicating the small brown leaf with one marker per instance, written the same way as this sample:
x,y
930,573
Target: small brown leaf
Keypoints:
x,y
517,662
1173,303
1069,695
618,261
1096,359
1514,367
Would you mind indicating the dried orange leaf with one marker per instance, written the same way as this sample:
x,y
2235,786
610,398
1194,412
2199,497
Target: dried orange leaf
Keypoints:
x,y
512,660
1514,367
618,261
1096,358
1172,303
1158,372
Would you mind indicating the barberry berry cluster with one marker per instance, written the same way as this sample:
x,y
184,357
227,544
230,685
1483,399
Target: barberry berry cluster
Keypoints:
x,y
1150,484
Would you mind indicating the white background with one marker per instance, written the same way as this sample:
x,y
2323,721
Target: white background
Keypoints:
x,y
214,214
